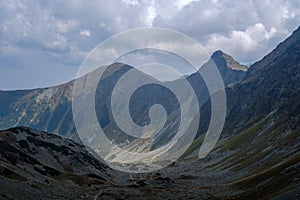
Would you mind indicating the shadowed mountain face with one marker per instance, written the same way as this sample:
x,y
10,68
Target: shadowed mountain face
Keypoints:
x,y
49,109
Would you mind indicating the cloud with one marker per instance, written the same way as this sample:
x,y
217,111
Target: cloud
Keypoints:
x,y
246,45
245,29
131,2
63,32
85,33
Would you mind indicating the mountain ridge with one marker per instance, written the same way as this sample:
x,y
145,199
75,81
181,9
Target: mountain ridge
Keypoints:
x,y
49,109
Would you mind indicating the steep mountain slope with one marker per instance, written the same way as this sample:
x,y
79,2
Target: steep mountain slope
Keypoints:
x,y
271,85
44,109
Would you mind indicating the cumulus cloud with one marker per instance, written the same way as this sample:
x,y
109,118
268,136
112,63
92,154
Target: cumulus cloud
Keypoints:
x,y
245,29
246,45
58,34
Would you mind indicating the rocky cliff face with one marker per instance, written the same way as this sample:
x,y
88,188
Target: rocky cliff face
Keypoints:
x,y
231,71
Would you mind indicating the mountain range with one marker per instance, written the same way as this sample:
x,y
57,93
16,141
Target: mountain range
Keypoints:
x,y
49,109
257,157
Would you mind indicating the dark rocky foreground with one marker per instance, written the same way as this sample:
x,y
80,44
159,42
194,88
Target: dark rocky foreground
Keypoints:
x,y
261,162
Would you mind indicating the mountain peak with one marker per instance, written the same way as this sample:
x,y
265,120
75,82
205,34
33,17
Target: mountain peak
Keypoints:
x,y
231,71
230,61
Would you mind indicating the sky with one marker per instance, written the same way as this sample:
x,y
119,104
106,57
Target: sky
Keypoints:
x,y
43,43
